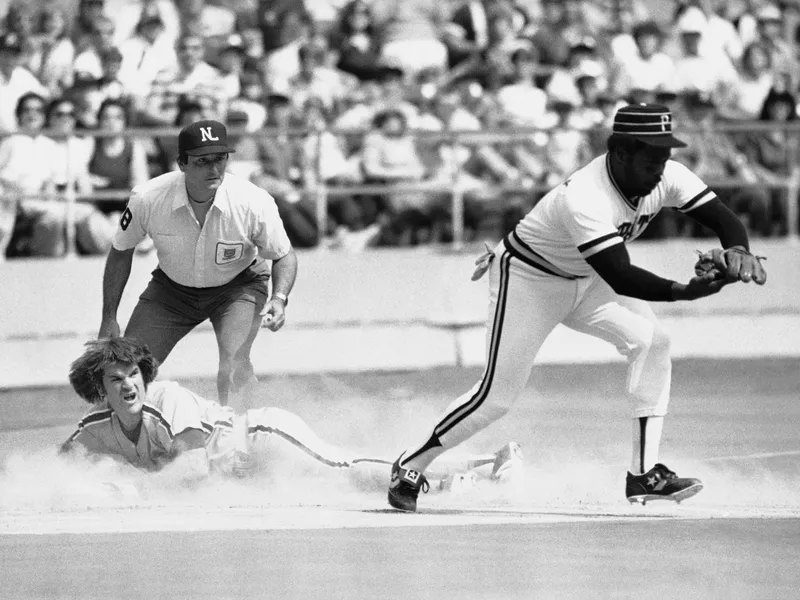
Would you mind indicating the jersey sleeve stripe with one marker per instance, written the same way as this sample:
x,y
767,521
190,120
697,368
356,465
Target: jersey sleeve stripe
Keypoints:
x,y
162,421
67,445
700,199
95,417
614,241
520,250
591,247
209,427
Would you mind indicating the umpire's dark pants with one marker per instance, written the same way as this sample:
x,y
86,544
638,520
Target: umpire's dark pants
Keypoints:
x,y
167,311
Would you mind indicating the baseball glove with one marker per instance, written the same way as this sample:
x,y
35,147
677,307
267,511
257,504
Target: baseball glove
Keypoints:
x,y
733,264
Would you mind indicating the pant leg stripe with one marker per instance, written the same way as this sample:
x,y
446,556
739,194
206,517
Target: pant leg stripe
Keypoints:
x,y
455,417
297,443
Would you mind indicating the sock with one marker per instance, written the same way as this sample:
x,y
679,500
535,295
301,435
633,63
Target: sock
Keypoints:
x,y
646,441
420,459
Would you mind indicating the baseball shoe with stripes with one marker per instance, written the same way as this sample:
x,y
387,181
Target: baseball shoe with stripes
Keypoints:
x,y
404,487
659,483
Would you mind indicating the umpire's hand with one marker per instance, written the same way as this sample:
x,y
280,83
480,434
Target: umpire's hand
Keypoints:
x,y
109,328
273,314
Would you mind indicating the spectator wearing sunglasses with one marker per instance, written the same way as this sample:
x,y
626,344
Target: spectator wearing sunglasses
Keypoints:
x,y
67,162
25,175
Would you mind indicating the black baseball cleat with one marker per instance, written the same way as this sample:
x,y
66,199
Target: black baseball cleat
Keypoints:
x,y
659,483
404,487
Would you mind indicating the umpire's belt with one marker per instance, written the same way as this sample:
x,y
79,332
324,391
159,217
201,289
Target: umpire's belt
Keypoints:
x,y
519,249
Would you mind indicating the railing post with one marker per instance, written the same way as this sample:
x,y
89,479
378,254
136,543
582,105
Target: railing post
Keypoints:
x,y
70,198
792,208
320,191
793,185
457,198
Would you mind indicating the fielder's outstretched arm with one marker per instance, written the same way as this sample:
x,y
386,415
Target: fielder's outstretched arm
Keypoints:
x,y
614,265
723,222
115,277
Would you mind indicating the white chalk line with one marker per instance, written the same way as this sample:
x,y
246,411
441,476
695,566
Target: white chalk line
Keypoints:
x,y
752,456
313,517
738,457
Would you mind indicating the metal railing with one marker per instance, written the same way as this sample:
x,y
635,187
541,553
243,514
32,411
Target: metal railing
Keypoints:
x,y
322,192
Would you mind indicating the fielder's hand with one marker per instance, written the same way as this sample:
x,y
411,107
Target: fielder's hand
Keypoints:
x,y
273,314
699,286
109,328
745,266
731,264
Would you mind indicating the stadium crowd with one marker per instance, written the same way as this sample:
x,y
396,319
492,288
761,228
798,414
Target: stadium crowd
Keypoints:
x,y
355,92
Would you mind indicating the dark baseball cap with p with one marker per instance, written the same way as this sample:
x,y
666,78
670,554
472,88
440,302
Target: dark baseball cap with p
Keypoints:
x,y
203,137
648,123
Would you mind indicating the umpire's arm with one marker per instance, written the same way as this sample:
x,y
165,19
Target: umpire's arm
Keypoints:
x,y
115,277
284,273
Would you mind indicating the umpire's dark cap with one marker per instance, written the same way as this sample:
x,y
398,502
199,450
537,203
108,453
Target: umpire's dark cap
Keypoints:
x,y
648,123
203,137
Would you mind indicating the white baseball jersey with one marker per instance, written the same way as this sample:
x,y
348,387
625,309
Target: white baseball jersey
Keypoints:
x,y
273,435
588,213
170,409
243,223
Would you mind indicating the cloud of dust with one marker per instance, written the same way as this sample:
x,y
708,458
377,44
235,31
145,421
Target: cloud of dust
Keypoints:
x,y
561,479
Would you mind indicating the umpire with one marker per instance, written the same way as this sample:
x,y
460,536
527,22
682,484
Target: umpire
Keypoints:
x,y
214,234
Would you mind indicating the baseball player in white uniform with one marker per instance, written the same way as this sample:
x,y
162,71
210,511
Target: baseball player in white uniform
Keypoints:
x,y
160,426
566,262
214,234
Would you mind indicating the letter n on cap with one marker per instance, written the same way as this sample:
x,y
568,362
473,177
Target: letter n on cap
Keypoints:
x,y
206,135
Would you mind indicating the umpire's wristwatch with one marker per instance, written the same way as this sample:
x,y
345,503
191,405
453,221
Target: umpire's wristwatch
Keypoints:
x,y
283,297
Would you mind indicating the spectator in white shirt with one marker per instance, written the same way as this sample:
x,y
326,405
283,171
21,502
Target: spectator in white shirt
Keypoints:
x,y
412,32
129,16
771,34
35,166
213,22
89,13
583,56
144,55
646,66
523,101
88,62
70,164
316,80
54,50
72,152
15,81
721,34
191,77
24,165
755,80
710,74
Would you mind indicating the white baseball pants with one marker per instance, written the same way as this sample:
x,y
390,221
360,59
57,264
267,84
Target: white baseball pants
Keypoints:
x,y
525,305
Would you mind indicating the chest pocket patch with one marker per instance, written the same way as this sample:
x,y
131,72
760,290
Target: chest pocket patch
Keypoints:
x,y
229,252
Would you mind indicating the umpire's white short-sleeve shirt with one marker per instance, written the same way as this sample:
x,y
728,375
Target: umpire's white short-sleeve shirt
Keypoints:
x,y
243,223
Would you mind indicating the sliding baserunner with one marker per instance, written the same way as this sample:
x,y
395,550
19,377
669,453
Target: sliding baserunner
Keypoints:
x,y
163,427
